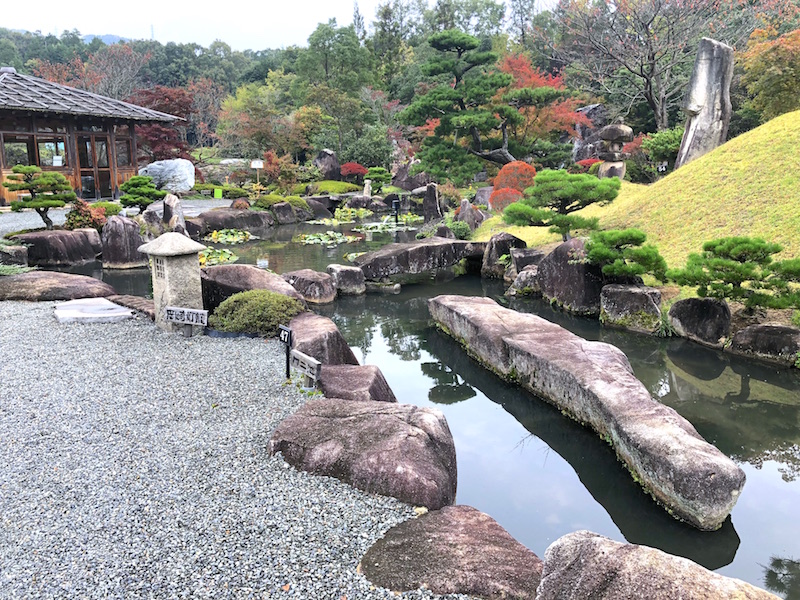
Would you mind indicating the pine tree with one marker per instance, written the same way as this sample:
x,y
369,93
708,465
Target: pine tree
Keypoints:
x,y
140,192
47,189
558,194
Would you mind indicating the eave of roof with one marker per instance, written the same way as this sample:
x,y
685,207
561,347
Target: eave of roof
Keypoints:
x,y
24,92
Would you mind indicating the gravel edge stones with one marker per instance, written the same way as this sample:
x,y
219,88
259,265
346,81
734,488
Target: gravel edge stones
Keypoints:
x,y
135,464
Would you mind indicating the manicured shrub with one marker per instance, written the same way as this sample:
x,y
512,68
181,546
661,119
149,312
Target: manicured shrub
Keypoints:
x,y
140,192
240,204
47,190
379,177
623,253
352,171
451,195
270,200
255,311
460,229
584,166
336,187
556,195
111,208
736,268
516,175
502,198
85,215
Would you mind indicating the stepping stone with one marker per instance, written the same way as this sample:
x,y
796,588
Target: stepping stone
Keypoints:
x,y
91,310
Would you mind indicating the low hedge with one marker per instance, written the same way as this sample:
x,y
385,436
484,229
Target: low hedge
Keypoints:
x,y
231,192
268,201
255,311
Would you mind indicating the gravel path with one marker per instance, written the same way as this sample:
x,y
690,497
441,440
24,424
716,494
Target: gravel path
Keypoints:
x,y
134,463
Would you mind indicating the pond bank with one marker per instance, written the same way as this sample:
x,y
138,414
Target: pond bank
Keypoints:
x,y
138,465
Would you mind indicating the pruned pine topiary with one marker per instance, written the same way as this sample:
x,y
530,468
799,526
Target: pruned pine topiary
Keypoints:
x,y
139,191
47,190
255,311
622,253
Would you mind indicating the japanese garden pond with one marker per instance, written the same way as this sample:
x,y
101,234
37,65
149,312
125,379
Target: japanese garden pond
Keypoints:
x,y
541,475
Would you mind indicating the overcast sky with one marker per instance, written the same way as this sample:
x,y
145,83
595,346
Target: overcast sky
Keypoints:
x,y
241,24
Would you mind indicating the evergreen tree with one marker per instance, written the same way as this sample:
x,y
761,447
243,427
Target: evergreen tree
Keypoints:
x,y
47,190
622,253
558,194
140,192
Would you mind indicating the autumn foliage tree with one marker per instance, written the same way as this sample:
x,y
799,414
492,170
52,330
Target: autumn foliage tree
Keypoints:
x,y
162,141
502,198
516,175
772,72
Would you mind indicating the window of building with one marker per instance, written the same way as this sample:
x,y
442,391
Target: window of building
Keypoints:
x,y
123,153
52,151
18,150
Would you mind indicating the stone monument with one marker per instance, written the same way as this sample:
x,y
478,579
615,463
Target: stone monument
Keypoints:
x,y
708,101
613,137
176,280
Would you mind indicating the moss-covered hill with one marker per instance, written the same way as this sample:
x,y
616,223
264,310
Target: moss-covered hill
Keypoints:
x,y
749,186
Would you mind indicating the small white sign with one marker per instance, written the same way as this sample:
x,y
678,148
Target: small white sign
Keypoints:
x,y
186,316
256,164
308,366
58,161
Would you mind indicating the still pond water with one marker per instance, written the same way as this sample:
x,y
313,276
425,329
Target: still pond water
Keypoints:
x,y
539,474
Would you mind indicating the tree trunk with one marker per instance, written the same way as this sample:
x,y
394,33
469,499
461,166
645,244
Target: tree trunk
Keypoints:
x,y
48,222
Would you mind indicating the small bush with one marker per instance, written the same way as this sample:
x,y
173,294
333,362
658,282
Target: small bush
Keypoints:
x,y
270,200
240,204
139,191
255,311
451,194
353,171
85,215
460,229
336,187
516,175
585,165
379,177
111,208
502,198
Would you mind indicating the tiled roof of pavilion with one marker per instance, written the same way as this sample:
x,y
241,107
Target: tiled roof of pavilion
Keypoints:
x,y
23,92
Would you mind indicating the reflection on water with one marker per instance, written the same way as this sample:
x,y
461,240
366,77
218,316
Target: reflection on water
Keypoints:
x,y
542,475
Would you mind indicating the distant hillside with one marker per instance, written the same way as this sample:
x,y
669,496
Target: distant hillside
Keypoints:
x,y
106,39
748,186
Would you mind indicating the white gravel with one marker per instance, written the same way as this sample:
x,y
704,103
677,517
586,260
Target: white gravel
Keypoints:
x,y
134,464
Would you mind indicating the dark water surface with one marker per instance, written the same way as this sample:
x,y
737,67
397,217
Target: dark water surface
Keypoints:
x,y
541,475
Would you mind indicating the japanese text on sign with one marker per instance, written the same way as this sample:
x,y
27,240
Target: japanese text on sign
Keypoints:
x,y
186,316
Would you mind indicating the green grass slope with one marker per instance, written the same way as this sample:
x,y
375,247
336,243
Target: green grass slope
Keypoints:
x,y
749,186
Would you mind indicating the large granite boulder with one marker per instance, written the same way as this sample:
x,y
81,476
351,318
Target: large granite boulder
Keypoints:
x,y
355,382
526,283
57,247
14,255
482,195
318,209
470,215
431,205
40,286
349,281
121,241
454,550
175,175
573,285
403,179
328,164
588,142
775,343
593,383
397,450
708,101
522,257
417,257
220,282
703,320
584,565
499,245
285,213
315,287
633,307
229,218
319,337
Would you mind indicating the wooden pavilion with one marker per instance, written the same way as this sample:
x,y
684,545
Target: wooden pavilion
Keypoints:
x,y
90,139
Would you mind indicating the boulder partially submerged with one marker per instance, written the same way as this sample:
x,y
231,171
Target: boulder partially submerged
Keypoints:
x,y
397,450
355,382
587,565
319,338
593,382
455,550
417,257
60,247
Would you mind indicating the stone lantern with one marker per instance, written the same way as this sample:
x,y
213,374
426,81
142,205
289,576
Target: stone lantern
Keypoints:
x,y
613,138
176,282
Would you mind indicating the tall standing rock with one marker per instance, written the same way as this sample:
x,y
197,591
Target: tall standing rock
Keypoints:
x,y
708,101
121,241
431,209
327,162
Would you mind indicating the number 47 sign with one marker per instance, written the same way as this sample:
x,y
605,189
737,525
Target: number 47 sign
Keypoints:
x,y
285,336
